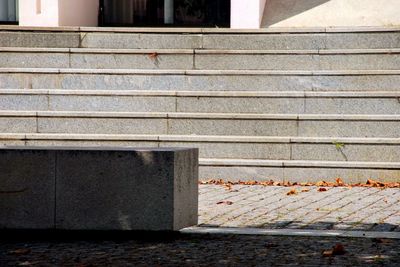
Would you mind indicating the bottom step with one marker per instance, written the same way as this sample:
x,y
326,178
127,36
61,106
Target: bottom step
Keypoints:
x,y
233,169
298,174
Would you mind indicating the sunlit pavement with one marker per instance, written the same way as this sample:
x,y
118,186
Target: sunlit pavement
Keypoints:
x,y
270,207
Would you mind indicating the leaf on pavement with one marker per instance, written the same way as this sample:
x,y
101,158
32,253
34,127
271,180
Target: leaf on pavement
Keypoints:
x,y
338,249
322,189
339,182
292,192
226,202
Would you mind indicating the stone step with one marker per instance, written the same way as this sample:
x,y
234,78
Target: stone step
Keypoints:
x,y
200,80
275,102
302,125
351,59
320,38
298,171
294,170
232,147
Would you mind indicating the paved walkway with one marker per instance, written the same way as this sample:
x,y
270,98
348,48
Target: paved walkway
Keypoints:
x,y
346,209
338,208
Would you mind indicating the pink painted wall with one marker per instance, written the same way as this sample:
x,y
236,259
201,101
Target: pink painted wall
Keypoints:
x,y
54,13
78,12
247,14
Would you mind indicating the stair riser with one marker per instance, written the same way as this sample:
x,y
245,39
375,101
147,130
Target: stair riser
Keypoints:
x,y
303,41
200,61
303,128
212,41
201,82
300,175
272,105
27,39
235,173
262,151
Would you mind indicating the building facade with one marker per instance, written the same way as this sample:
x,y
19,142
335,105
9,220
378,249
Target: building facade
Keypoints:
x,y
239,14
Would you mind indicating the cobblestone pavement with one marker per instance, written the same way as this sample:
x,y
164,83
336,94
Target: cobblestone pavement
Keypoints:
x,y
242,206
338,208
198,250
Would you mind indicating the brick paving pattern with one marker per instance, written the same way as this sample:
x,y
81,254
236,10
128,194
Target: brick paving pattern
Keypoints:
x,y
200,250
338,208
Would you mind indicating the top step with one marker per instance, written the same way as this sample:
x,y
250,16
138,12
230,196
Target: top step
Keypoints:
x,y
154,38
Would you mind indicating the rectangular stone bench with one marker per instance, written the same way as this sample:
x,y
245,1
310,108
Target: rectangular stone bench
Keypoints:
x,y
98,188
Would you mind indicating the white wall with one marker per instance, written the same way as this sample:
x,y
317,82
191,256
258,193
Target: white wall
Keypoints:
x,y
38,13
53,13
246,14
331,13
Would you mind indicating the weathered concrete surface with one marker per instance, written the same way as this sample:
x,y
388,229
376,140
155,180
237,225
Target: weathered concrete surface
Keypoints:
x,y
27,189
99,188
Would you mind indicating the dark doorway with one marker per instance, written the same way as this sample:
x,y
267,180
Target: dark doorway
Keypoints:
x,y
8,11
165,13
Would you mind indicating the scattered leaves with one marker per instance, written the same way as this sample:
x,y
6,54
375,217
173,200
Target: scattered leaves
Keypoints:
x,y
292,192
226,202
339,183
338,249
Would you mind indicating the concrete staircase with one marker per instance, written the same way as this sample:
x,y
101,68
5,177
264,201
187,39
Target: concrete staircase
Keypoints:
x,y
282,104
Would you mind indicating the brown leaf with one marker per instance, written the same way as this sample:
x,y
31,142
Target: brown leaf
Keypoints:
x,y
153,55
322,189
305,190
339,182
338,249
226,202
292,192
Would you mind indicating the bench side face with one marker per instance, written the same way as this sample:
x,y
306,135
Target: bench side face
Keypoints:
x,y
27,189
98,190
186,188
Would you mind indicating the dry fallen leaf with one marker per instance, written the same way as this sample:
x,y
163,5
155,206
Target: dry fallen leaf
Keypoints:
x,y
322,189
338,249
339,182
226,202
153,55
292,192
305,190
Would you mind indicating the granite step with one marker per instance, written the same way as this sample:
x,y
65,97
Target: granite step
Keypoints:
x,y
273,102
187,59
200,80
232,147
302,125
293,170
320,38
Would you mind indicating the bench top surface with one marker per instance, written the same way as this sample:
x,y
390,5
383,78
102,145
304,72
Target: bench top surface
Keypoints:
x,y
71,148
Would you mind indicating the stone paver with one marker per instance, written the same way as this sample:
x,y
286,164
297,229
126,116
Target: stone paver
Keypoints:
x,y
338,208
196,250
250,206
